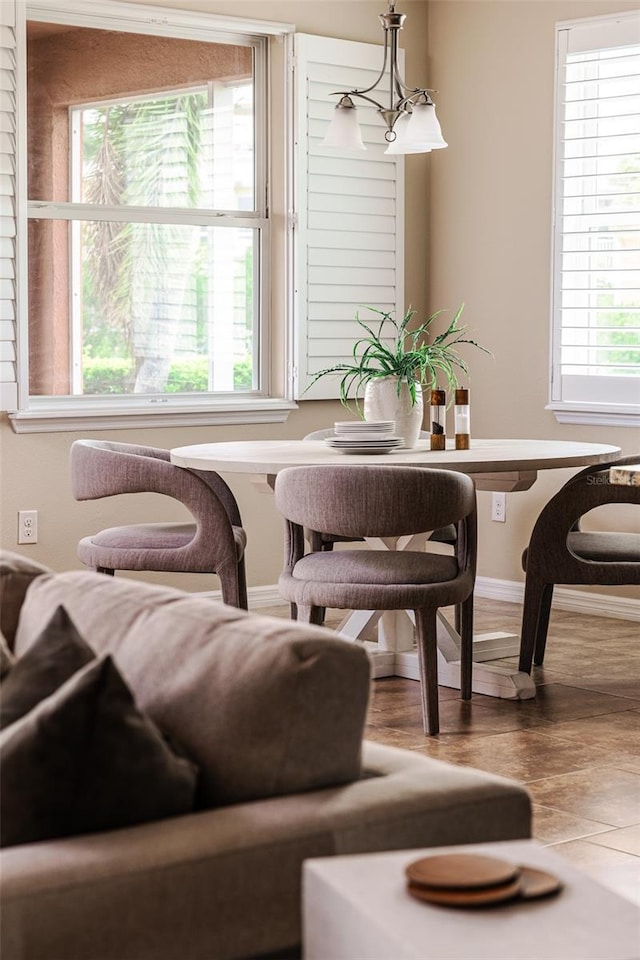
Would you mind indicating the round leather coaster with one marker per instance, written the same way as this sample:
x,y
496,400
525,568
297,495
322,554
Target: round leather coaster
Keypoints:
x,y
482,897
461,871
537,883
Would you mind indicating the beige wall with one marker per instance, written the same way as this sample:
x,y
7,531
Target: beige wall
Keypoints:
x,y
482,231
490,231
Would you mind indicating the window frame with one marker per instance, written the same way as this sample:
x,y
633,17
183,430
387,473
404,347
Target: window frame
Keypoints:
x,y
596,412
273,402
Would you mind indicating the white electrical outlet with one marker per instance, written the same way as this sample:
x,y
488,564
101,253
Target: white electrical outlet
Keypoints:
x,y
499,507
27,526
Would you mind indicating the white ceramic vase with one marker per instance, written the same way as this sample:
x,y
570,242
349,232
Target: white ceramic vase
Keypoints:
x,y
383,402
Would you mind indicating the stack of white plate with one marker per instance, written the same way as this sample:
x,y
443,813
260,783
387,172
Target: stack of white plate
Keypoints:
x,y
361,436
364,428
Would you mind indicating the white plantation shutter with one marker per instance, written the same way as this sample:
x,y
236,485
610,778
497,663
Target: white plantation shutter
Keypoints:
x,y
349,230
596,350
8,364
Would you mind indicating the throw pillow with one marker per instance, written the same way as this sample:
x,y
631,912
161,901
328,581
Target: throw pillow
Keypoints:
x,y
86,759
57,653
16,575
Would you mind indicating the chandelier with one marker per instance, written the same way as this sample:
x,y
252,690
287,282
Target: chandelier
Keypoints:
x,y
410,116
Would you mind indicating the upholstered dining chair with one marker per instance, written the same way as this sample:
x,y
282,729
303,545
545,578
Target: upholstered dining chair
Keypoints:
x,y
326,541
375,502
213,543
561,552
444,535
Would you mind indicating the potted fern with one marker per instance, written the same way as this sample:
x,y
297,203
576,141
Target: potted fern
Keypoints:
x,y
393,362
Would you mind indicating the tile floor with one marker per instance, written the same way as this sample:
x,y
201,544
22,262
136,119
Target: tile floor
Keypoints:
x,y
576,745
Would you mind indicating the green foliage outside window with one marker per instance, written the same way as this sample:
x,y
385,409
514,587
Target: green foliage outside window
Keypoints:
x,y
624,336
136,335
112,375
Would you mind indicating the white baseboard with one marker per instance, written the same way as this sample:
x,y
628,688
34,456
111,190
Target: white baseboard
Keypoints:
x,y
267,596
574,601
509,591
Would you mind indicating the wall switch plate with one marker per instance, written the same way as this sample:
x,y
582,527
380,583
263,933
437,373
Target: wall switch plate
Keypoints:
x,y
27,526
499,507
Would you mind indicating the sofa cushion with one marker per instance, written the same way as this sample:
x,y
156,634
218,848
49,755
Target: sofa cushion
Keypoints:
x,y
16,575
86,759
263,706
56,655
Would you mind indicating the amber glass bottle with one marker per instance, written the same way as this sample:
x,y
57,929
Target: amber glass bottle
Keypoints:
x,y
438,410
462,419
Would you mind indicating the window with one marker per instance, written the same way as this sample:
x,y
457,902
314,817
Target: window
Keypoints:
x,y
176,248
149,236
596,283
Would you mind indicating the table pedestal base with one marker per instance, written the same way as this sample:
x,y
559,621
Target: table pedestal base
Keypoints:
x,y
492,679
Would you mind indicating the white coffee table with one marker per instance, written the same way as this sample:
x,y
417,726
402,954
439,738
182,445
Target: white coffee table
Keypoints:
x,y
357,908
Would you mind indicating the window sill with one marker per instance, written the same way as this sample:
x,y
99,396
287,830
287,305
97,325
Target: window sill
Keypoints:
x,y
46,417
600,415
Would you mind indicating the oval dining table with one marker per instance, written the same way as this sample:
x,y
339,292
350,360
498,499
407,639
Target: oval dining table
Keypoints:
x,y
496,465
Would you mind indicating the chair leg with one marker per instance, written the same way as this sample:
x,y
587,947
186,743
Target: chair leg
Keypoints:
x,y
428,658
233,584
534,599
466,647
310,614
457,622
543,624
109,572
293,611
243,600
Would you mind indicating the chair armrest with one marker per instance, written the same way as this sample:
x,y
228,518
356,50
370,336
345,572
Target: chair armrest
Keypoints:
x,y
294,544
222,490
588,489
98,472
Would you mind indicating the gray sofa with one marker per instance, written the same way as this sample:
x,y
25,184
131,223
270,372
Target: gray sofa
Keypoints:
x,y
272,712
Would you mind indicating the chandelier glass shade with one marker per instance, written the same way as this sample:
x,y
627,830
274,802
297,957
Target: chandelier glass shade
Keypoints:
x,y
409,116
344,129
